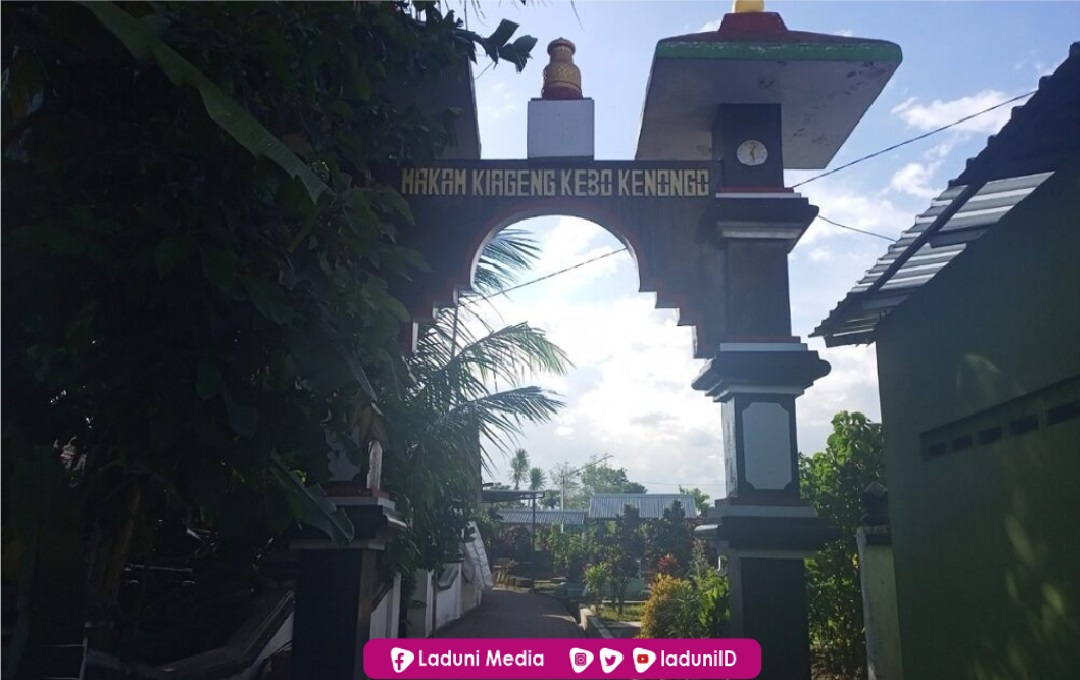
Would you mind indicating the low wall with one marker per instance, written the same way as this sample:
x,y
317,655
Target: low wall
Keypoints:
x,y
448,596
387,614
453,597
596,627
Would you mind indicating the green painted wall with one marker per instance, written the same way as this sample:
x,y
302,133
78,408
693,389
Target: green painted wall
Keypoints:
x,y
987,540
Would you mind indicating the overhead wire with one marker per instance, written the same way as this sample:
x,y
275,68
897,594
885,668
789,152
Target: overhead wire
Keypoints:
x,y
855,229
545,277
803,183
912,140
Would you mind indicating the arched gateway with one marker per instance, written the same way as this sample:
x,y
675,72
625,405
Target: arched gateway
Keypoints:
x,y
658,210
705,212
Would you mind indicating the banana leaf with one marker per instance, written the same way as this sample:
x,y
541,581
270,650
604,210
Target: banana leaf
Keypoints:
x,y
144,45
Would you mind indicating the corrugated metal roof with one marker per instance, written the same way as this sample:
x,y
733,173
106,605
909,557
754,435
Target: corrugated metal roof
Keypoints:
x,y
1039,137
854,320
649,505
525,516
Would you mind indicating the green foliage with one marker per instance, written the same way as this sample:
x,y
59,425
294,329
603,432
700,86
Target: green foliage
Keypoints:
x,y
519,467
669,535
668,565
565,477
490,528
832,481
580,484
448,415
604,479
568,551
701,499
713,593
598,580
537,479
693,607
198,251
672,610
623,553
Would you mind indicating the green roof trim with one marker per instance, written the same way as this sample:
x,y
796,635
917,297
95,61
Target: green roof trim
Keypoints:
x,y
877,51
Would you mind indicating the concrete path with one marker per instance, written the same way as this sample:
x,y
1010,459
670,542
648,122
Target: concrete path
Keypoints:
x,y
514,614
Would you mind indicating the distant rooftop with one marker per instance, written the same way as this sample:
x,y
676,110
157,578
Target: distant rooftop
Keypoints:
x,y
649,505
1040,137
525,516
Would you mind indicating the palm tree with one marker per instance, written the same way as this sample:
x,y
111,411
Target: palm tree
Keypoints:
x,y
537,479
519,467
461,396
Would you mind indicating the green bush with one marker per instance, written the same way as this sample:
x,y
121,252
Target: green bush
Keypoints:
x,y
597,579
712,590
673,610
833,481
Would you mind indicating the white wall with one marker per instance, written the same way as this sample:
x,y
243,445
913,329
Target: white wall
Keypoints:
x,y
451,603
448,601
385,618
420,617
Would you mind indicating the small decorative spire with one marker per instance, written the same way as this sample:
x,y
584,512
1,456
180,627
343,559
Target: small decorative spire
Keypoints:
x,y
374,476
741,6
562,78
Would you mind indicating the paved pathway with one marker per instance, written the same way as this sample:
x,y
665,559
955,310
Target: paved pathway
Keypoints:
x,y
514,614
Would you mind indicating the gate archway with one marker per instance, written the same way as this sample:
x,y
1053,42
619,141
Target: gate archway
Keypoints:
x,y
709,221
659,211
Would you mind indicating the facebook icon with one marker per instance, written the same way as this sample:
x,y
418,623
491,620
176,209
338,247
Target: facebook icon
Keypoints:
x,y
401,659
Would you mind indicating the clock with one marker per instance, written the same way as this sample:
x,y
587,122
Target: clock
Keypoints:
x,y
752,152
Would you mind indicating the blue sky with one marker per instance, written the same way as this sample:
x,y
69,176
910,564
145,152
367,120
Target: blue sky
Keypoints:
x,y
630,394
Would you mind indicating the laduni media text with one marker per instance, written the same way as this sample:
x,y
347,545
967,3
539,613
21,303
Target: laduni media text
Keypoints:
x,y
561,659
488,658
719,658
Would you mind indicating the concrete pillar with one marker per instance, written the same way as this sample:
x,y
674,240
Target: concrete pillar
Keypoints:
x,y
335,582
763,526
877,576
768,604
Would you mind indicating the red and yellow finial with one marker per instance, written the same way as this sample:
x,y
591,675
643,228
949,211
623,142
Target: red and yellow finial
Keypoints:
x,y
741,6
562,78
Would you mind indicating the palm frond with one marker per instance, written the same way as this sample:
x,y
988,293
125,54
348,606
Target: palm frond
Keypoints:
x,y
500,415
507,255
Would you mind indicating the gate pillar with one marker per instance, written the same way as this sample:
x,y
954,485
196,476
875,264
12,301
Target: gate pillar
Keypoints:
x,y
336,581
760,99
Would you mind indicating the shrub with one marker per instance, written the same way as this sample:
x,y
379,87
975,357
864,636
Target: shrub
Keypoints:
x,y
673,610
668,565
597,579
712,591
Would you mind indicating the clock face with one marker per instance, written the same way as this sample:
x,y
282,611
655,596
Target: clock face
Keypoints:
x,y
752,152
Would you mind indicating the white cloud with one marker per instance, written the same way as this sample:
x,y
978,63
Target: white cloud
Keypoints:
x,y
914,179
851,207
631,396
939,113
709,26
846,32
850,386
574,240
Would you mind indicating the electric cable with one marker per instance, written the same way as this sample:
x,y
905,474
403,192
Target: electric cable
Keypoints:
x,y
912,140
803,183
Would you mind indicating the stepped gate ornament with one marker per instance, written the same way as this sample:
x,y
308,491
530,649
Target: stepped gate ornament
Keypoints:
x,y
705,213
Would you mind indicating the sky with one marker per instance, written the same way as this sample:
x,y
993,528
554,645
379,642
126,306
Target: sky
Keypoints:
x,y
629,394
